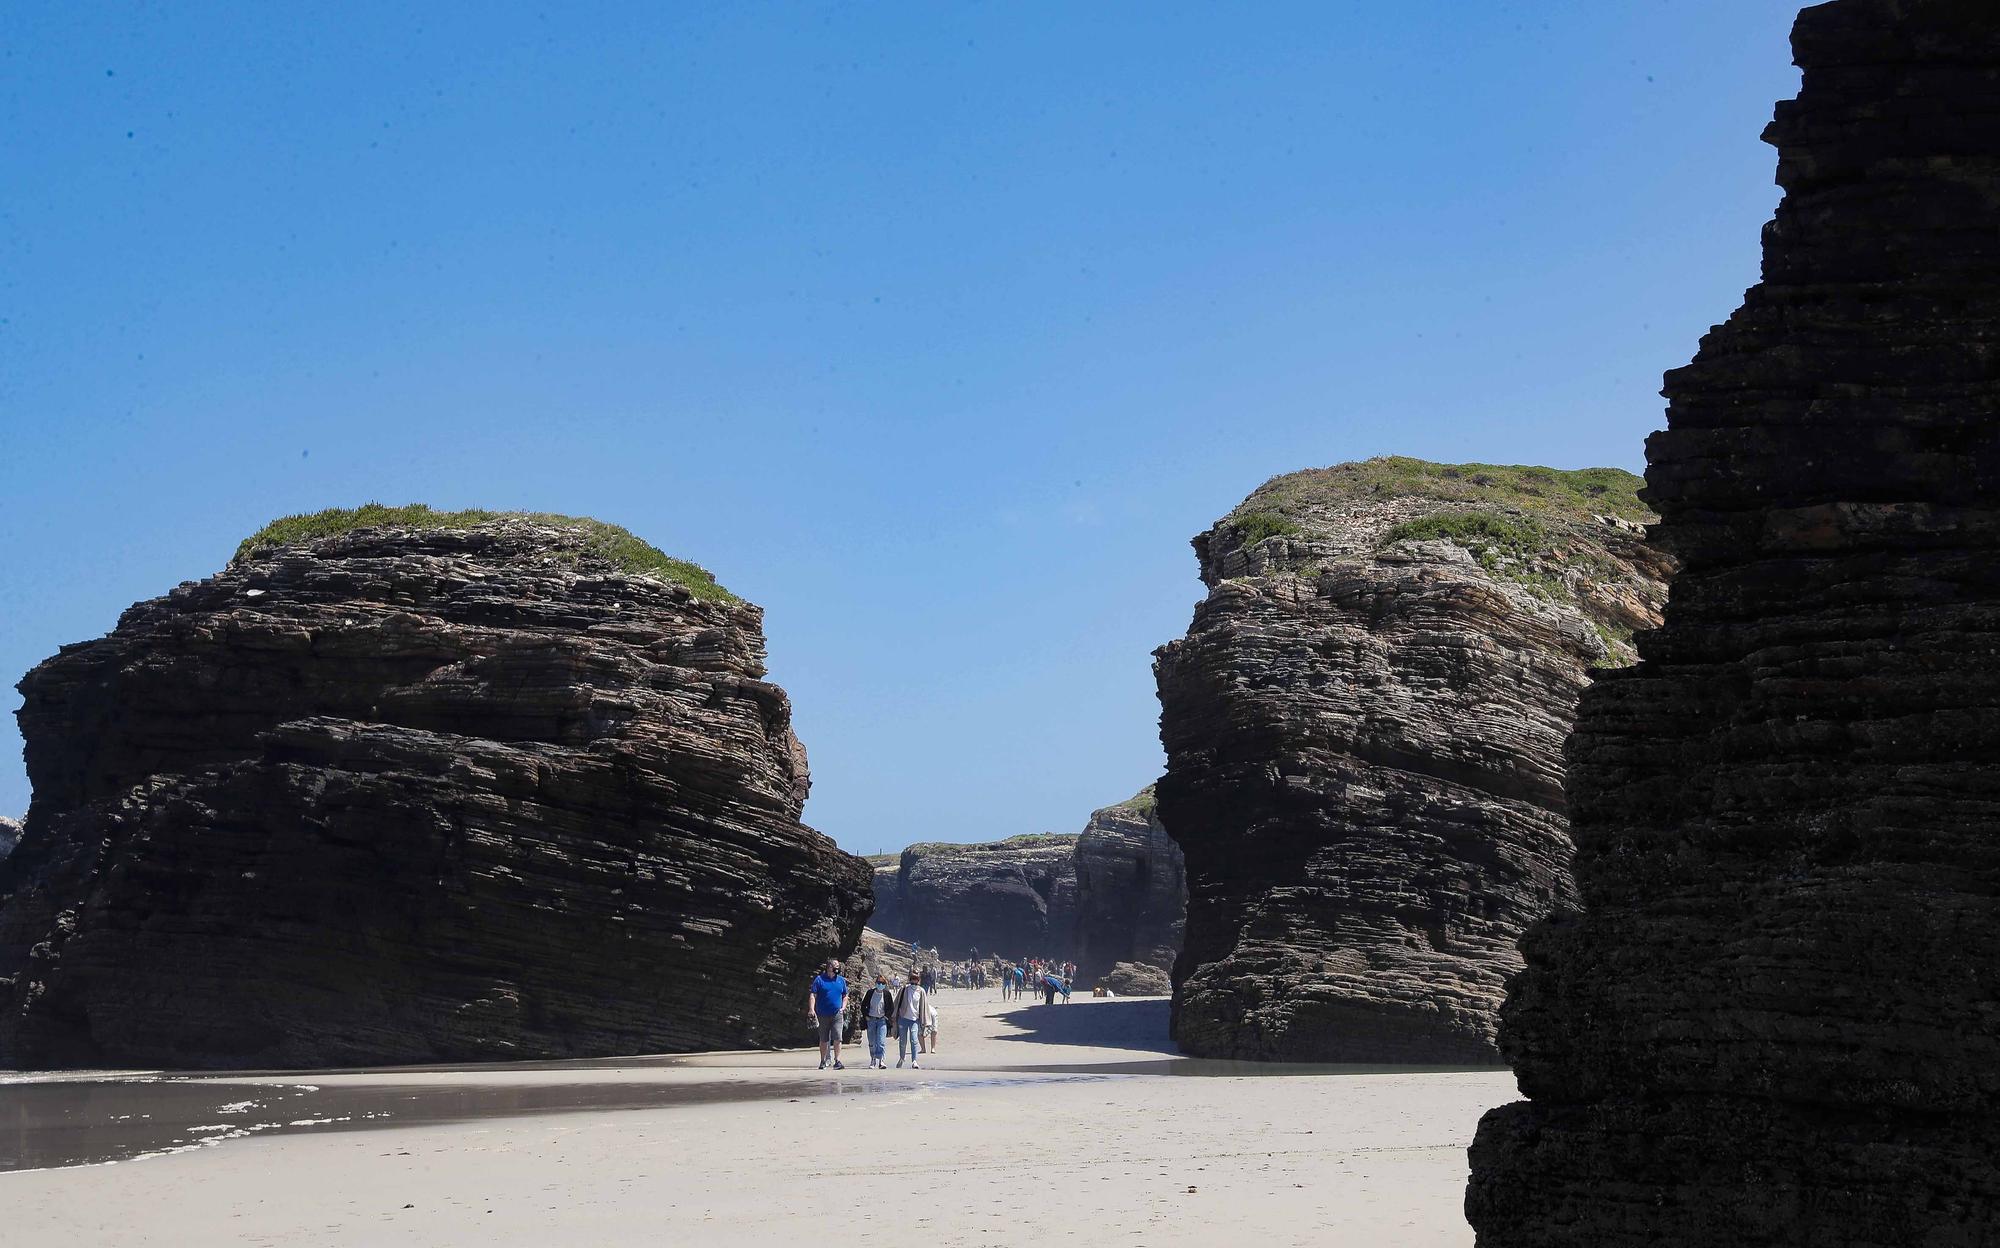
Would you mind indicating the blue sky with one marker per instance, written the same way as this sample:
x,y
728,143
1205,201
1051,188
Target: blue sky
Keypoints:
x,y
937,330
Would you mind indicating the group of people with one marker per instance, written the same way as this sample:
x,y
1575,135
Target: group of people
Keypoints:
x,y
1034,975
909,1009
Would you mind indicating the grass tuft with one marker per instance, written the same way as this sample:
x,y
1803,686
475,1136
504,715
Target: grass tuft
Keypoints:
x,y
1143,803
1474,530
1255,526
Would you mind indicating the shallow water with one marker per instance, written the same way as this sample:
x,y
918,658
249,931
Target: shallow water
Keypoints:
x,y
73,1120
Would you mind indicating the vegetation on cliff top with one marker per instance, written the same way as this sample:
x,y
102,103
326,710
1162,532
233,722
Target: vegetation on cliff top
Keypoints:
x,y
1026,840
610,542
1143,803
1525,488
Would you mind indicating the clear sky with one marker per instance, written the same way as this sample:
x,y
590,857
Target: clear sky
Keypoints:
x,y
936,329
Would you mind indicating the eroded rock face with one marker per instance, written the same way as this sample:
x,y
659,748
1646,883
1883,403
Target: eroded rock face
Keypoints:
x,y
1776,1019
10,835
1016,897
410,796
1363,730
1136,979
1131,890
879,953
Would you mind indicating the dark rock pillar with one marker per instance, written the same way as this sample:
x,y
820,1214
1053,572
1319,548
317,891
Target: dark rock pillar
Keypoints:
x,y
1776,1019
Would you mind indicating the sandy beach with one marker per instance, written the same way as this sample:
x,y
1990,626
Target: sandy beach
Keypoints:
x,y
1034,1124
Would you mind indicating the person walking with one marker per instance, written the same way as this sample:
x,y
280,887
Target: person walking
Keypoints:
x,y
930,979
878,1009
910,1020
824,1004
930,1024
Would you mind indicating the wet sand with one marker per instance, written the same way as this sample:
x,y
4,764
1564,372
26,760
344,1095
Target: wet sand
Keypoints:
x,y
1036,1123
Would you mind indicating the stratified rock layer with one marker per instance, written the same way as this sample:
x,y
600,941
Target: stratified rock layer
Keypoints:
x,y
1131,890
409,795
1364,729
1015,898
1777,1018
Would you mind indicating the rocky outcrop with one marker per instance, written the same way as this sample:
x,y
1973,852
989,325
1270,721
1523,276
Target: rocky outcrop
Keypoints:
x,y
1136,979
10,835
1363,730
457,788
1131,890
1776,1019
883,954
1016,897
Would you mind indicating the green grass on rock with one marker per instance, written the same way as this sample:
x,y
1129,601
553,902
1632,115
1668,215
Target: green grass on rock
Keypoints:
x,y
611,542
1526,488
1255,526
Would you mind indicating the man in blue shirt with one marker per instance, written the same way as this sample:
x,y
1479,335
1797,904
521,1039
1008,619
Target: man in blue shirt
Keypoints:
x,y
823,1007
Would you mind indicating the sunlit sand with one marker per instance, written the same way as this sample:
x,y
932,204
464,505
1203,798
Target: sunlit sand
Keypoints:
x,y
1066,1123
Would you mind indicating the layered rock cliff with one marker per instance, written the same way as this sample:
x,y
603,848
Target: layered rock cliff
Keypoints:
x,y
1016,897
1776,1019
436,788
1131,891
1363,730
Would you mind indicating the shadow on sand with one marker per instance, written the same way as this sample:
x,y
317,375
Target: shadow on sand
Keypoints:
x,y
1138,1023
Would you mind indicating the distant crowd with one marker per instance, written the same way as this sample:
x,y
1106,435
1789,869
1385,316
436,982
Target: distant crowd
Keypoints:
x,y
905,1007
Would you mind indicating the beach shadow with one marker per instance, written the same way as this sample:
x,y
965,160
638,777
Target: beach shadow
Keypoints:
x,y
1125,1023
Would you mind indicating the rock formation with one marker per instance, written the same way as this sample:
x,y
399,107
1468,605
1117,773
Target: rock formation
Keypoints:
x,y
1015,897
1363,730
10,835
880,952
437,788
1776,1019
1131,890
1136,979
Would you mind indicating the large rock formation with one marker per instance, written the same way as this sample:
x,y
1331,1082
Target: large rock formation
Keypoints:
x,y
460,788
1131,890
1016,897
1364,729
1777,1018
